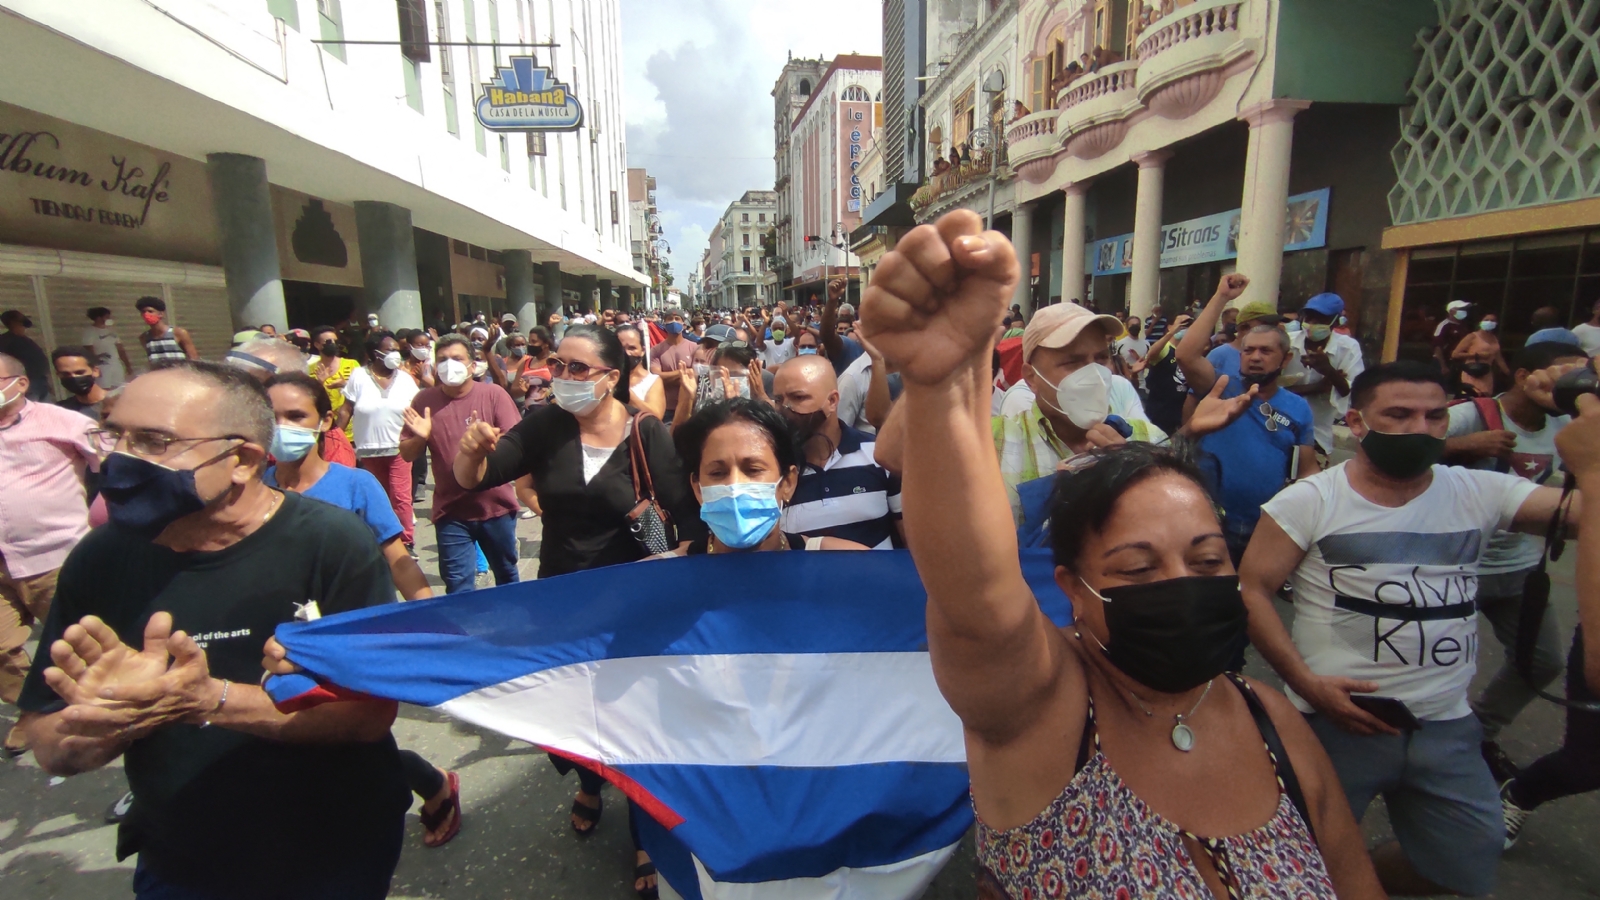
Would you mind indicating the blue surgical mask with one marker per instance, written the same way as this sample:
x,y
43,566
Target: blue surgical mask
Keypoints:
x,y
291,443
807,351
673,328
740,515
146,496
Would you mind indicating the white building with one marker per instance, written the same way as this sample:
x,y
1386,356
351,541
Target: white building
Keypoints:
x,y
644,227
819,195
745,276
303,161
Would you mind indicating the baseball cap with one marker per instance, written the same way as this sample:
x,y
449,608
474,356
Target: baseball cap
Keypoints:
x,y
1454,305
242,337
1554,336
1060,324
508,317
719,333
1329,304
1258,309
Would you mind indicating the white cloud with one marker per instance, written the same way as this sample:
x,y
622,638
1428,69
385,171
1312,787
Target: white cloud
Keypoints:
x,y
698,76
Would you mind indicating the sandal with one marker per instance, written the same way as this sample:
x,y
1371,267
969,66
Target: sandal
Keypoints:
x,y
590,814
449,810
645,870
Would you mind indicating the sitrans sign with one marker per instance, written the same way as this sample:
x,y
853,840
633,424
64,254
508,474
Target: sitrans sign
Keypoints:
x,y
527,97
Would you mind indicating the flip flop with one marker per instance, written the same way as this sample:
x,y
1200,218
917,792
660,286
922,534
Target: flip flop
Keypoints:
x,y
590,814
645,870
450,809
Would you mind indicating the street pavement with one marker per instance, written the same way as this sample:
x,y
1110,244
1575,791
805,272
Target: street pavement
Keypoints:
x,y
516,840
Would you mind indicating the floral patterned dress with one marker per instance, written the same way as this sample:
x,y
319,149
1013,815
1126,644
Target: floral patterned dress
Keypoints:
x,y
1099,840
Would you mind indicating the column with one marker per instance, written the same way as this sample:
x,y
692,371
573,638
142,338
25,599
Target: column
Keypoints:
x,y
1145,284
625,298
605,301
243,206
550,277
591,283
1022,240
519,288
389,264
1073,229
1266,196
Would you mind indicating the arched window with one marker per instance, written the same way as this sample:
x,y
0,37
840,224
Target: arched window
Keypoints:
x,y
856,92
805,87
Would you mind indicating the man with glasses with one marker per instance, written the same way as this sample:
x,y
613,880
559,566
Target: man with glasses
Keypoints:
x,y
1274,441
156,638
44,452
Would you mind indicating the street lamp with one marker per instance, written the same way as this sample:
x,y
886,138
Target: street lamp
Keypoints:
x,y
992,85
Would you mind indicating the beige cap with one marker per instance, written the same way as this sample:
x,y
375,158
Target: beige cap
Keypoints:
x,y
1060,324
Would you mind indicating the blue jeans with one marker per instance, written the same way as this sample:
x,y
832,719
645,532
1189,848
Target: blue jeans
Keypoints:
x,y
458,560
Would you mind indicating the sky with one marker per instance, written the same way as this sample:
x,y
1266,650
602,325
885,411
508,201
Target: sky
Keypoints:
x,y
697,80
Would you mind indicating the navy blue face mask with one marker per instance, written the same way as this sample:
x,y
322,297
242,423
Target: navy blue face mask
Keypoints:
x,y
146,496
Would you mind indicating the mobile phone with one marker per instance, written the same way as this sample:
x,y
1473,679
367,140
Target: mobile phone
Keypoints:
x,y
1388,710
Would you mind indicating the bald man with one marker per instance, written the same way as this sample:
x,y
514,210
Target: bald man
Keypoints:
x,y
843,492
265,357
199,564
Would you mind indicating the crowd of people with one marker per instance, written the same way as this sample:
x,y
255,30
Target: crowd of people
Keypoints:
x,y
1182,473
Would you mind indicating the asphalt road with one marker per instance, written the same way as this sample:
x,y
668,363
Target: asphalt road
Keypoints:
x,y
516,841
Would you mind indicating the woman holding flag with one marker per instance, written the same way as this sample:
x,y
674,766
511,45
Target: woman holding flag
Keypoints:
x,y
1116,755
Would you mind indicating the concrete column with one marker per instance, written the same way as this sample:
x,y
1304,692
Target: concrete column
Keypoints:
x,y
1266,196
243,206
1022,240
606,300
1145,284
1072,241
550,277
519,288
389,264
590,284
625,298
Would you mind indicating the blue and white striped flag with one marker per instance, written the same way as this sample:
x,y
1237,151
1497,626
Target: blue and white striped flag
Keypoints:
x,y
775,713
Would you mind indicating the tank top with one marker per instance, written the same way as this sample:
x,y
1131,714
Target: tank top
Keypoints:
x,y
164,349
1098,839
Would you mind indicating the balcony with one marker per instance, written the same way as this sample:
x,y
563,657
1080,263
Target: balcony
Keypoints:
x,y
947,189
1093,111
1185,57
1031,145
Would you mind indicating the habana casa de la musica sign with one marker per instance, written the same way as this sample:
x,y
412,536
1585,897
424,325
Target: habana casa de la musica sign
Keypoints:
x,y
528,97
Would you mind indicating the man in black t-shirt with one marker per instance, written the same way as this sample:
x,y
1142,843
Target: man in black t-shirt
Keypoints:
x,y
198,566
1165,387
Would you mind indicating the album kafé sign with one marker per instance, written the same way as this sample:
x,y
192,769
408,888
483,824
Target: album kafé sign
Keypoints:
x,y
66,186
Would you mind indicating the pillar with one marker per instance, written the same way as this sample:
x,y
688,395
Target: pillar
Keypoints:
x,y
519,288
1266,196
590,284
625,298
1022,240
1073,229
1145,284
389,264
550,277
243,206
606,301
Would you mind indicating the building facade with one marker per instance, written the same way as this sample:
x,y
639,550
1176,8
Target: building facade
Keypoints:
x,y
743,273
645,231
243,162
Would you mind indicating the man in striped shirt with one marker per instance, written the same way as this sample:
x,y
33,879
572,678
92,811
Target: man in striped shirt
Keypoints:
x,y
843,492
44,451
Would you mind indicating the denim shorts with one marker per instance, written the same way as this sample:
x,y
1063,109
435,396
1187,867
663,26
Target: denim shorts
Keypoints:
x,y
1443,803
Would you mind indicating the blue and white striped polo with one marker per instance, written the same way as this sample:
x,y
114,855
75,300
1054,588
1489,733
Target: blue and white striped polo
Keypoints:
x,y
851,497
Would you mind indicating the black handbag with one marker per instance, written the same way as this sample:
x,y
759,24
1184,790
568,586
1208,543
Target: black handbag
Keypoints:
x,y
647,520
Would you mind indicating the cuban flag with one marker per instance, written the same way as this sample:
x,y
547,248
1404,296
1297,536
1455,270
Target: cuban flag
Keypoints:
x,y
774,713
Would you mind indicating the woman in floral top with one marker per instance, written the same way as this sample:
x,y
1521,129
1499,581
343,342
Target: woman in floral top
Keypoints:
x,y
1113,757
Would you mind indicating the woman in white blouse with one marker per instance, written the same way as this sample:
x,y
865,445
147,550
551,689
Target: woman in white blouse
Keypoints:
x,y
376,398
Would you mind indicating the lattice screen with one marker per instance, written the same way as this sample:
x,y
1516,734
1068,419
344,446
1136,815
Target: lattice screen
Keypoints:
x,y
1505,110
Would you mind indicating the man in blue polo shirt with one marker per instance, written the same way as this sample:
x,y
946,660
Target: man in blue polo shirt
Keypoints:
x,y
1274,442
843,492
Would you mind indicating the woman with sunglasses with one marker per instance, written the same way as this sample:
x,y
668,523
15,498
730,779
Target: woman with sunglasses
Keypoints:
x,y
1115,756
577,452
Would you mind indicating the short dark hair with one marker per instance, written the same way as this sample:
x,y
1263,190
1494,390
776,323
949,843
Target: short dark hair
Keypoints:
x,y
1085,494
1545,354
452,340
610,351
375,340
1368,382
1544,317
244,402
312,387
543,334
742,355
690,437
321,330
74,350
95,312
155,303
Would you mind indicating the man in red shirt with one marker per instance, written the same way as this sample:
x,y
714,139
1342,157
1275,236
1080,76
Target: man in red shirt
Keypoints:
x,y
437,419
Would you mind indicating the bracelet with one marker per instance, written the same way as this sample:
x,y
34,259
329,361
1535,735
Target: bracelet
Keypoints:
x,y
221,701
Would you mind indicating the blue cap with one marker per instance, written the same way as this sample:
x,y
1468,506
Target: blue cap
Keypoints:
x,y
1554,336
1330,305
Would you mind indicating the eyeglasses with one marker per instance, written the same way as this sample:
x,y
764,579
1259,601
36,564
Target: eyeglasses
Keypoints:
x,y
579,370
144,442
1270,414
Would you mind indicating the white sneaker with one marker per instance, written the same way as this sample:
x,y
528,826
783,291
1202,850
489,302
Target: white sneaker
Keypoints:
x,y
526,514
1515,816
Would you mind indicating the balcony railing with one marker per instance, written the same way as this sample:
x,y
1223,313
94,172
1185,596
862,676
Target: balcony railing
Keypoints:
x,y
1112,79
1194,22
952,180
1031,126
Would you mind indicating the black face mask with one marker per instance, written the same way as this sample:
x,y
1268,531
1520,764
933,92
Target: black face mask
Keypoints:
x,y
330,349
1260,379
77,385
805,425
1402,456
1477,369
636,361
1175,635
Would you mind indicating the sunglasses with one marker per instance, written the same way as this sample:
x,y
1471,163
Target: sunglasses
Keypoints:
x,y
1270,414
579,370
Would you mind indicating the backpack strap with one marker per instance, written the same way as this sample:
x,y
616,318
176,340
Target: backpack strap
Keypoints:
x,y
1489,410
